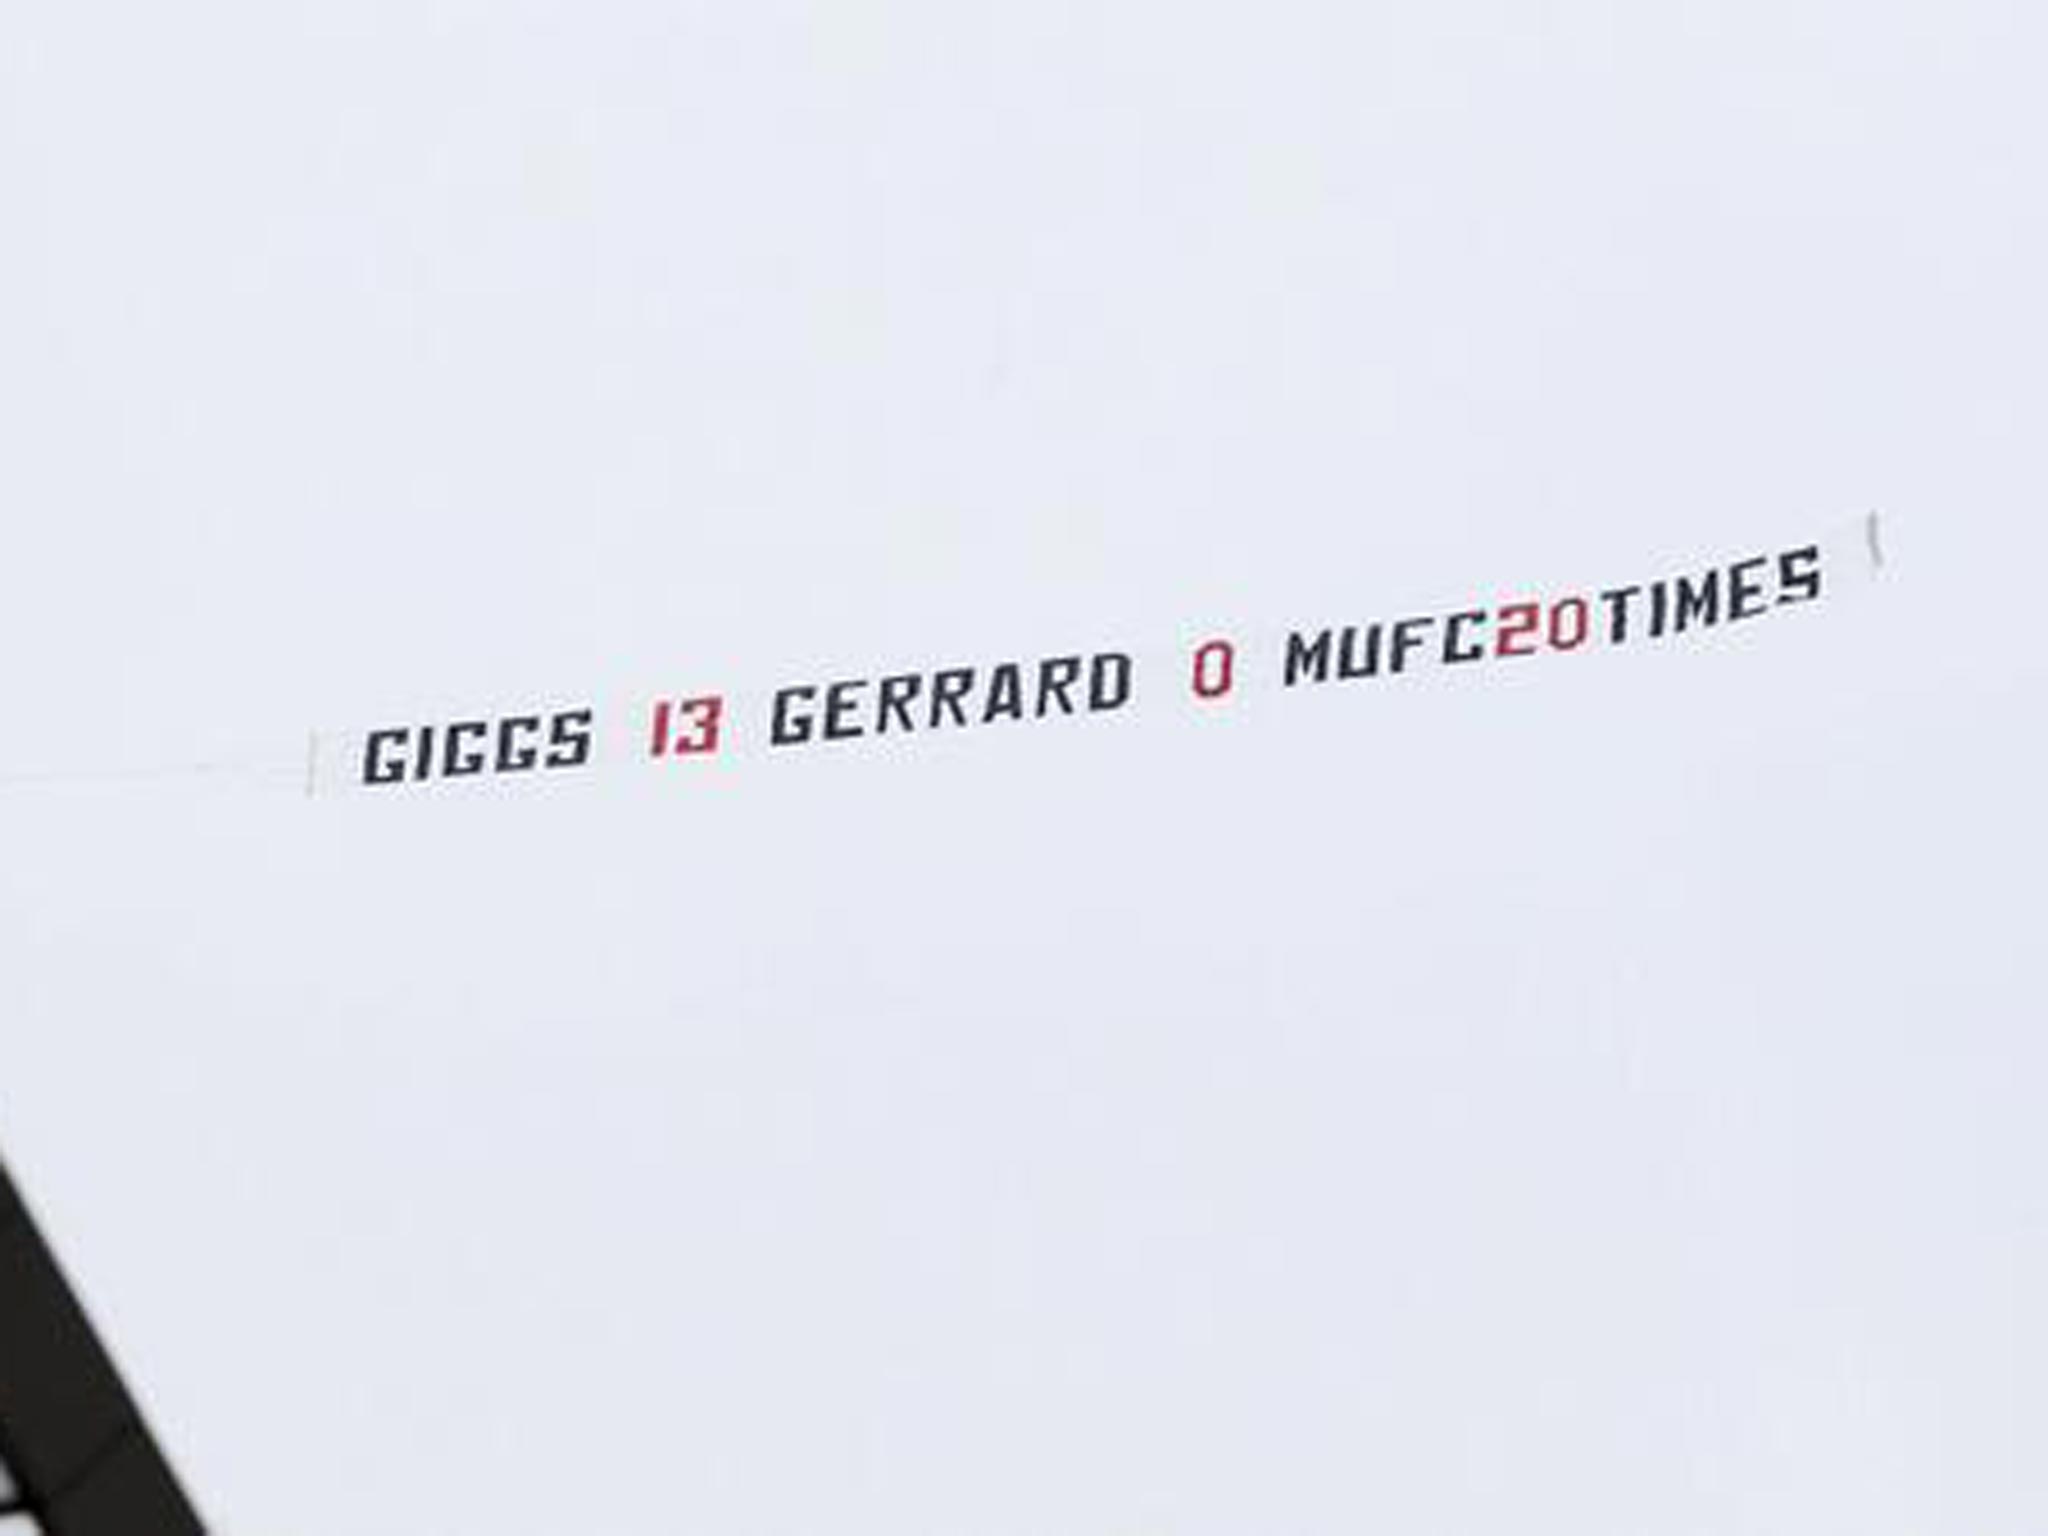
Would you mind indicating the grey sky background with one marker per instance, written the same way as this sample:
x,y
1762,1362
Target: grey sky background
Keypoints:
x,y
1598,1098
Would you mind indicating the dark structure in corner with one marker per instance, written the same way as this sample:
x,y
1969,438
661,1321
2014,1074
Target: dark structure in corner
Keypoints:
x,y
75,1456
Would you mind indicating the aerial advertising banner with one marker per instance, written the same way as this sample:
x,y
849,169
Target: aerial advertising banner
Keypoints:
x,y
705,720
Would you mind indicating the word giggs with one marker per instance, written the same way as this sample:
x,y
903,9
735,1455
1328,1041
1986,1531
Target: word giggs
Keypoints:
x,y
467,748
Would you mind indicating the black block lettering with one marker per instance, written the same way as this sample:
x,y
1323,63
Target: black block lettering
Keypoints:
x,y
897,693
841,701
1352,664
1005,694
460,759
1109,682
1308,658
1455,649
570,738
788,727
1056,676
380,765
514,756
1699,601
949,689
1799,575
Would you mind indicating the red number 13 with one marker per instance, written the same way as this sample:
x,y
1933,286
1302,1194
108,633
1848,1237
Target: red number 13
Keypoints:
x,y
689,727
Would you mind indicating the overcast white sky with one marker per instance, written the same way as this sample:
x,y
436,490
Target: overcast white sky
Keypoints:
x,y
1597,1099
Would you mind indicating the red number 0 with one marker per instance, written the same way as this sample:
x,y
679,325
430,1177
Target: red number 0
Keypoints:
x,y
1215,669
1570,622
